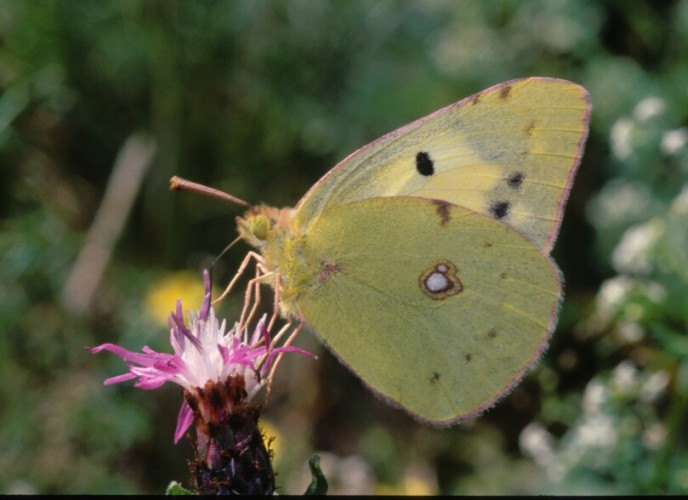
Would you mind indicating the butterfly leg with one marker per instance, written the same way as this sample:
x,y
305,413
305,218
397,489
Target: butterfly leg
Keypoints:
x,y
275,306
289,340
253,287
250,255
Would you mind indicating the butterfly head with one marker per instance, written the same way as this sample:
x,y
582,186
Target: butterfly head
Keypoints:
x,y
261,222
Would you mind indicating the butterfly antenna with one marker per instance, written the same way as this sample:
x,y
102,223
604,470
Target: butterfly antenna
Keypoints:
x,y
179,184
216,259
223,252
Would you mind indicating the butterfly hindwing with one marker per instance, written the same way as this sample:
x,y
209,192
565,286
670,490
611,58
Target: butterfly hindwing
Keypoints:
x,y
437,308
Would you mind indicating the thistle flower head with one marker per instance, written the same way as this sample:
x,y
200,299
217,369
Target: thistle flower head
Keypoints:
x,y
205,355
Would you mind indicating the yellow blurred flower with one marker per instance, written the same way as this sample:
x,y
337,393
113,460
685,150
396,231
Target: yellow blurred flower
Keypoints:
x,y
271,434
162,296
418,481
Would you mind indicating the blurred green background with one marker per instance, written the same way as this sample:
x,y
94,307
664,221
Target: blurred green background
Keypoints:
x,y
260,98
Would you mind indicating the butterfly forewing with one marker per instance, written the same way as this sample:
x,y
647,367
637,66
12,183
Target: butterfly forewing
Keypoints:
x,y
509,152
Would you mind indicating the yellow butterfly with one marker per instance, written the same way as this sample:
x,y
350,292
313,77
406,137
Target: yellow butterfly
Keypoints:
x,y
422,259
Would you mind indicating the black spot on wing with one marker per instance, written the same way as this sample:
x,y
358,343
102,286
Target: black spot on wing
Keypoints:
x,y
504,92
424,164
515,180
500,209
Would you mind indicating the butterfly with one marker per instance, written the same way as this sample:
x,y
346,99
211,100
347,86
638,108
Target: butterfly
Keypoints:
x,y
422,259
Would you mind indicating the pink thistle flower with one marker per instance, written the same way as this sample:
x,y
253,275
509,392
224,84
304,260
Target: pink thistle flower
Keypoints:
x,y
203,352
220,371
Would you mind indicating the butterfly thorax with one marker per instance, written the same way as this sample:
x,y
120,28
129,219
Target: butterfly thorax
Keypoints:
x,y
273,233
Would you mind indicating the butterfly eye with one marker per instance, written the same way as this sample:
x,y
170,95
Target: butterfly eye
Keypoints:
x,y
260,226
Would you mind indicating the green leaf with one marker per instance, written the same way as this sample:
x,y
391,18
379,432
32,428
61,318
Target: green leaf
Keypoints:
x,y
318,485
175,488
